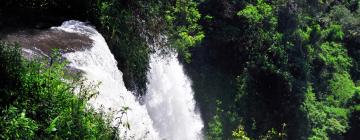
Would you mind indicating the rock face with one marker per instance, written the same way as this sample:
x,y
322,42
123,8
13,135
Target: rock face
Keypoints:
x,y
42,42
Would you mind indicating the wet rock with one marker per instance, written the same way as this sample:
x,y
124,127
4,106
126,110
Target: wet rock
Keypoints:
x,y
42,42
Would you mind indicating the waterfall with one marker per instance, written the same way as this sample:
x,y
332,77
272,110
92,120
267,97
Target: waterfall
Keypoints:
x,y
99,65
170,101
169,108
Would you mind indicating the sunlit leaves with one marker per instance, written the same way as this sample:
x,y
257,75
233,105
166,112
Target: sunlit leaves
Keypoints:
x,y
240,134
17,124
326,117
258,13
334,32
46,105
341,89
251,13
334,55
183,20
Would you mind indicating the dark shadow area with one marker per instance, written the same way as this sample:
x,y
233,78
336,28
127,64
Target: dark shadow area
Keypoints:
x,y
42,14
211,83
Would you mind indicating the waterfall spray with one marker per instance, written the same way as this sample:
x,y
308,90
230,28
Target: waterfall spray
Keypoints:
x,y
170,99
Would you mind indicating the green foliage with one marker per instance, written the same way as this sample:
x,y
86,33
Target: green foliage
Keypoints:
x,y
307,64
265,84
355,116
261,31
258,13
334,56
326,105
297,62
185,31
215,130
17,125
10,66
343,15
334,32
324,120
123,31
240,134
272,134
315,115
341,89
49,103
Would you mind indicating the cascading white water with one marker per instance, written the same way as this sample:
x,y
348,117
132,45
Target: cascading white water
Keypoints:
x,y
169,111
170,100
99,65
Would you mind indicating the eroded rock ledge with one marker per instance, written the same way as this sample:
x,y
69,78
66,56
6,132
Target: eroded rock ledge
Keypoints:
x,y
42,42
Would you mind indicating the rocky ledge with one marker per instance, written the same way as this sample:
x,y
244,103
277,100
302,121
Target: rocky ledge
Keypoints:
x,y
42,42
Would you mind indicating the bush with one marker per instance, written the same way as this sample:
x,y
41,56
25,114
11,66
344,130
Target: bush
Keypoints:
x,y
10,69
44,104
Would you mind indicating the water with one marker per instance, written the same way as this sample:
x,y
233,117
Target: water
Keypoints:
x,y
99,65
170,100
169,108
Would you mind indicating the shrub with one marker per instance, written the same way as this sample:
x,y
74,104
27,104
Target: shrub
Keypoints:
x,y
48,102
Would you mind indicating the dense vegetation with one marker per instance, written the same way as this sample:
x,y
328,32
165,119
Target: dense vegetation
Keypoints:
x,y
296,64
293,65
36,102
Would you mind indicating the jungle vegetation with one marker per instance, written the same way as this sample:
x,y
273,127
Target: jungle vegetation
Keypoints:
x,y
293,65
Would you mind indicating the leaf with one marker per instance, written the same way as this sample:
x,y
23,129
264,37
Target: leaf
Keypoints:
x,y
53,125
